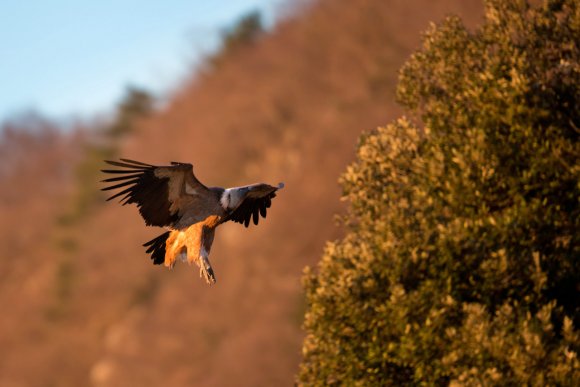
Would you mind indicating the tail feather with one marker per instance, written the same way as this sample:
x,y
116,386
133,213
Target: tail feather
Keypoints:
x,y
156,247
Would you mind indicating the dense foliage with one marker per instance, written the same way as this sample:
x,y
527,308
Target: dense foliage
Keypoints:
x,y
462,260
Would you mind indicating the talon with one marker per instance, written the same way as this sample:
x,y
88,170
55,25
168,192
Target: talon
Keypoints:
x,y
210,277
207,272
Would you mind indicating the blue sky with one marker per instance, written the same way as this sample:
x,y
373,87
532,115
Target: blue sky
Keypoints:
x,y
75,57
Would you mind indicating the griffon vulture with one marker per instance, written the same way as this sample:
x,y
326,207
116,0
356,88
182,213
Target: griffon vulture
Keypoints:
x,y
172,197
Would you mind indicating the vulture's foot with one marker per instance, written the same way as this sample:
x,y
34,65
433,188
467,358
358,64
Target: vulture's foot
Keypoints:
x,y
205,270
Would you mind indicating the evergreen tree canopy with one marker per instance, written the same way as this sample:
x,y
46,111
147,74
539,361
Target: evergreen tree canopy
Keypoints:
x,y
246,31
136,104
461,265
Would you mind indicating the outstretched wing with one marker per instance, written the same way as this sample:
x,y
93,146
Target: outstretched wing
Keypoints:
x,y
163,195
254,200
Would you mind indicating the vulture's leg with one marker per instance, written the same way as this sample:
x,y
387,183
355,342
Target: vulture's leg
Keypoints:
x,y
174,247
205,269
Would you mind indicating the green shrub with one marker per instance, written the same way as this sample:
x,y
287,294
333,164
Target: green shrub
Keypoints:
x,y
461,265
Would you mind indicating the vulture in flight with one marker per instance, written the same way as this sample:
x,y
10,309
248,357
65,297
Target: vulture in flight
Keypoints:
x,y
172,197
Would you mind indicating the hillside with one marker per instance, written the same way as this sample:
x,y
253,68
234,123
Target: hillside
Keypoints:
x,y
86,305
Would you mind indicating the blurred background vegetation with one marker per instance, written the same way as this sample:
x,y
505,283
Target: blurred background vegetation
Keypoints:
x,y
461,216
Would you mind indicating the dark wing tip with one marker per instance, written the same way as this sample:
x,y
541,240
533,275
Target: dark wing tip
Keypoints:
x,y
138,184
252,208
256,215
136,162
124,163
124,183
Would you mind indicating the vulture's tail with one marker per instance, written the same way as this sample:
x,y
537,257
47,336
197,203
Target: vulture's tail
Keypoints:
x,y
157,248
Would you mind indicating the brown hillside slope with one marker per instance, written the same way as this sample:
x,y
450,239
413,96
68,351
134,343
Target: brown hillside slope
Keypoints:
x,y
36,179
288,108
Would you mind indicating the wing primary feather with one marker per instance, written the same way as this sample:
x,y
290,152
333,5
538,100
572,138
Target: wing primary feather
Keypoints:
x,y
119,171
125,165
136,162
128,190
256,216
120,184
125,199
126,177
